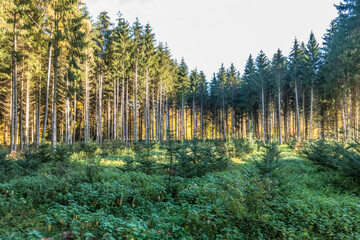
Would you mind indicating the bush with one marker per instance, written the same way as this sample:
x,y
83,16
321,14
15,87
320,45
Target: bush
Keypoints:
x,y
321,153
269,160
198,159
336,156
29,162
144,157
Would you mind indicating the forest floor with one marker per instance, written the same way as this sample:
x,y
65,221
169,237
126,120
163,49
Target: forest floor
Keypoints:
x,y
101,198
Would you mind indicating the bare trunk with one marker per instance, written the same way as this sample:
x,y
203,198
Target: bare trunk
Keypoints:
x,y
263,112
311,108
27,113
202,119
279,112
147,117
182,119
297,109
127,113
223,117
135,102
53,121
13,140
303,103
87,102
47,94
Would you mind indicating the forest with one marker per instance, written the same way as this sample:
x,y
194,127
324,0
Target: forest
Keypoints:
x,y
106,136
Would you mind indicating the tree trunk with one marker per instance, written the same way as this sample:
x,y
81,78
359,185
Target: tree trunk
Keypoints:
x,y
297,109
47,92
263,112
87,102
27,113
127,113
13,128
202,119
53,121
303,103
182,119
223,117
311,108
135,101
99,137
279,112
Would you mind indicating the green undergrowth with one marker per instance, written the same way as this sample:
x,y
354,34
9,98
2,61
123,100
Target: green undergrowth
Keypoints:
x,y
272,194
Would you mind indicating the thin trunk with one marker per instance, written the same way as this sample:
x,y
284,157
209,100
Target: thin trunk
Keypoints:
x,y
182,119
147,117
47,92
53,121
27,113
193,117
135,101
74,119
87,101
311,108
127,113
13,140
38,109
297,109
303,113
263,112
202,119
21,115
279,112
223,117
122,109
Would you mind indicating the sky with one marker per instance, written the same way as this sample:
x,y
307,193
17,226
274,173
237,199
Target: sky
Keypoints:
x,y
207,33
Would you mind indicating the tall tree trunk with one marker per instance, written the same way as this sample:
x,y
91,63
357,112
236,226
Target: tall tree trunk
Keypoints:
x,y
202,119
182,119
53,121
147,117
135,101
311,108
13,140
87,103
223,117
27,112
99,138
263,112
108,120
21,114
303,113
279,112
115,107
122,109
127,113
297,109
193,116
47,92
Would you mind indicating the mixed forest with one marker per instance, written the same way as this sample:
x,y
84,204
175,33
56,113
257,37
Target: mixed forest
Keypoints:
x,y
106,136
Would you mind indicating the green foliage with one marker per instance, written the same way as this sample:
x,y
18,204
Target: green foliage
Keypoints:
x,y
269,160
336,156
197,159
29,162
93,200
144,157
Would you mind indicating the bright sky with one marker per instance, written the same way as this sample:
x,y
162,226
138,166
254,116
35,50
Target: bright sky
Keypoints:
x,y
208,33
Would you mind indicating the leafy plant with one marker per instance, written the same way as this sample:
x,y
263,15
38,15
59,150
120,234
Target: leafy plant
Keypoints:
x,y
195,160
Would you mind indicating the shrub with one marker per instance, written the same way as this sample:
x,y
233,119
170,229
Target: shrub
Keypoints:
x,y
321,153
196,160
29,162
144,157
